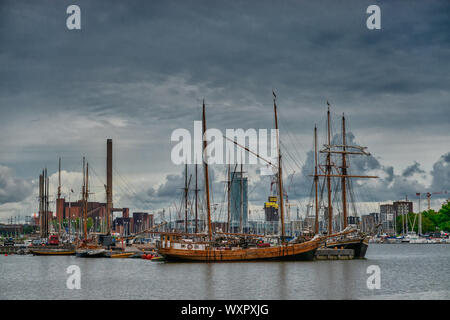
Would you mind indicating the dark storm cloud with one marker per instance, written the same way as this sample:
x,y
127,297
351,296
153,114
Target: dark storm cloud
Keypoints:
x,y
139,69
441,174
239,49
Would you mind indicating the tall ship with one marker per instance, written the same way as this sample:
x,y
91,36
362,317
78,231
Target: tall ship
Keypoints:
x,y
336,167
226,246
52,245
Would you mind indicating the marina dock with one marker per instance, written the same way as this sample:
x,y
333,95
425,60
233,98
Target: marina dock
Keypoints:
x,y
334,254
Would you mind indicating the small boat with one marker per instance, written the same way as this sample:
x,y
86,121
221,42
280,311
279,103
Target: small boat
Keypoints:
x,y
90,252
121,255
88,248
415,239
45,251
158,258
405,239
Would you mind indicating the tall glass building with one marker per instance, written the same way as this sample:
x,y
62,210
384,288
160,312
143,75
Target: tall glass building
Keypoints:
x,y
235,202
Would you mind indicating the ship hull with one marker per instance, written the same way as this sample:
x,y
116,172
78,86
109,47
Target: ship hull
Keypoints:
x,y
90,253
359,246
290,252
54,252
121,255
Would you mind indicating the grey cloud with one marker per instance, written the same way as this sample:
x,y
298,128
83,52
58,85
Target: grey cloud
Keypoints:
x,y
12,189
172,188
441,174
412,169
390,173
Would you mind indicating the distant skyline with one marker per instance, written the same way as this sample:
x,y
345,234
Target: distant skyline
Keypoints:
x,y
138,70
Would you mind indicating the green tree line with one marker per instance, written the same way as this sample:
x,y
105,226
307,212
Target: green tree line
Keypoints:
x,y
432,221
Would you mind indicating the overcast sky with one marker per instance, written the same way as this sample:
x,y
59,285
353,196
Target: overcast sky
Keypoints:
x,y
137,70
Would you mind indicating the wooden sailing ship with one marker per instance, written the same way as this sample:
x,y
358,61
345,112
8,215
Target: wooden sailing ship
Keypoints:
x,y
52,248
214,248
351,238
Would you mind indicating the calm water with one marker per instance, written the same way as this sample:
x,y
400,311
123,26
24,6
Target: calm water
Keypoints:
x,y
407,272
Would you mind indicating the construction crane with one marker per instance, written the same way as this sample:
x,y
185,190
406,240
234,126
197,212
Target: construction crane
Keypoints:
x,y
428,194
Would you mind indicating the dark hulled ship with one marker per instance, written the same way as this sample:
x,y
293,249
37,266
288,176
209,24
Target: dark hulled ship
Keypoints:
x,y
336,167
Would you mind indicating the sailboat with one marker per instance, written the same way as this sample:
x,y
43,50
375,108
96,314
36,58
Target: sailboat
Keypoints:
x,y
54,247
87,249
350,237
214,247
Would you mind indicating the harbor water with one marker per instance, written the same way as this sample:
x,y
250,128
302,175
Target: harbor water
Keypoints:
x,y
407,271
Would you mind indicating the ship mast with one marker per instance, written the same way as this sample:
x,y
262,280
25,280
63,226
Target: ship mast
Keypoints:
x,y
86,201
344,151
280,179
228,195
83,193
109,185
330,208
205,166
59,214
185,200
196,201
241,207
46,203
59,179
344,173
85,196
316,183
43,203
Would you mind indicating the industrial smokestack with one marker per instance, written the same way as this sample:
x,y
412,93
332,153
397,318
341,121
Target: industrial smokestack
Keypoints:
x,y
109,185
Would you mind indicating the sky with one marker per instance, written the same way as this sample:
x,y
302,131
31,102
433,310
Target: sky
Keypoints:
x,y
137,70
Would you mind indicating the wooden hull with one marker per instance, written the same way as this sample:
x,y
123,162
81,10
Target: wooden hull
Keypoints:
x,y
122,255
358,245
289,252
